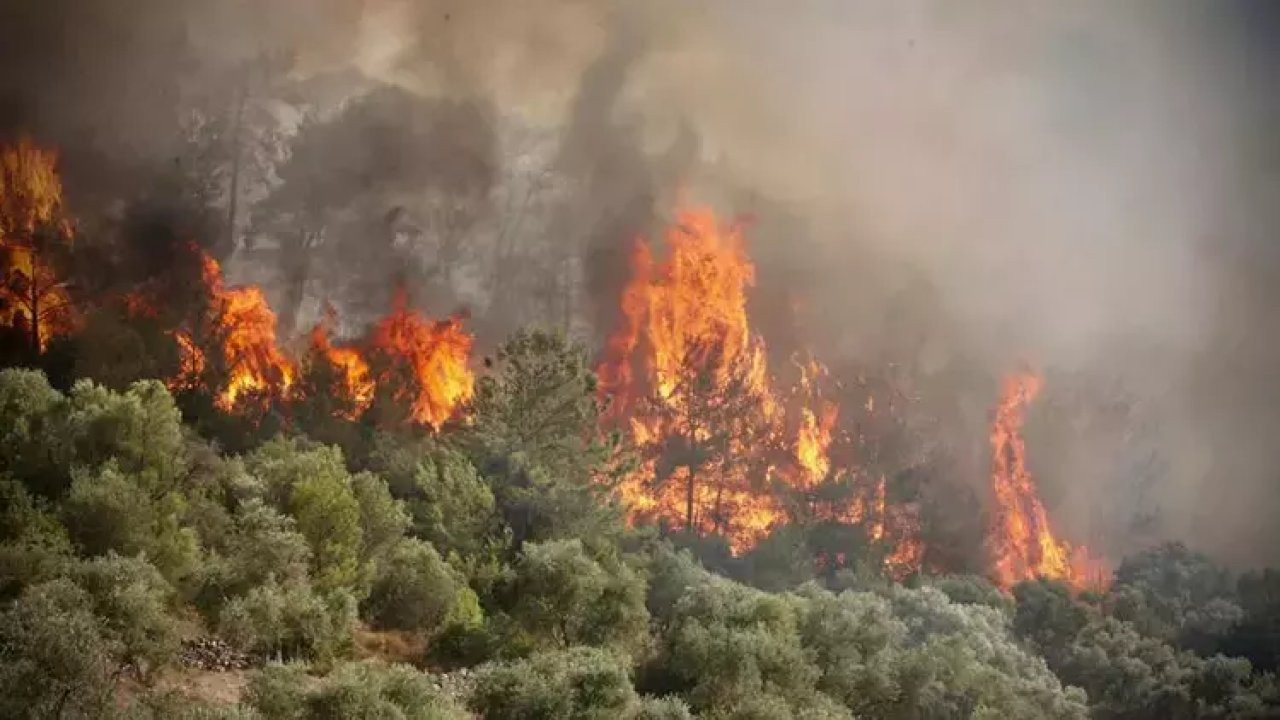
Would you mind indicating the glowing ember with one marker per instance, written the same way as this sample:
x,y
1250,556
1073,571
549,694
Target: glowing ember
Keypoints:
x,y
433,355
352,381
33,298
1022,542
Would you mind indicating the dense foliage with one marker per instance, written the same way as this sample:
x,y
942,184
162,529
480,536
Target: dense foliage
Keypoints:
x,y
494,557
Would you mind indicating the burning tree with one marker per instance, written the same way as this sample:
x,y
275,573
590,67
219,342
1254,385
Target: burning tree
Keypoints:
x,y
35,237
722,451
422,365
1023,544
239,324
702,414
338,374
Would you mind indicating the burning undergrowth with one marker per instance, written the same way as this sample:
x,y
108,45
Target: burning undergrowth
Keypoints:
x,y
422,365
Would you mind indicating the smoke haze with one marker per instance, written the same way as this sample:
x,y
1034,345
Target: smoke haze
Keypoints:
x,y
953,188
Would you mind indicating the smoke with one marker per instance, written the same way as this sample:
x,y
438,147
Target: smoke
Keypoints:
x,y
952,188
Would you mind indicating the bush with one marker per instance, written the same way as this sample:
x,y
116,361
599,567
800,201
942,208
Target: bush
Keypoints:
x,y
664,708
56,661
34,546
279,692
288,622
312,484
575,684
177,706
366,690
349,692
417,590
110,510
564,597
131,600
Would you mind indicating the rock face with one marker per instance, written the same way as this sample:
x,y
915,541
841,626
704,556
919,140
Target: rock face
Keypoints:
x,y
212,654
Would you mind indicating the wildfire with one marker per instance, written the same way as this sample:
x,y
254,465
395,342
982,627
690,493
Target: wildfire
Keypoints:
x,y
352,381
1022,541
432,354
689,380
817,427
33,297
685,377
241,329
191,362
245,328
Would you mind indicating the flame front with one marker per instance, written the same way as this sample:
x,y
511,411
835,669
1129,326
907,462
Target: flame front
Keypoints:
x,y
243,330
352,379
434,356
246,329
722,450
1022,542
689,381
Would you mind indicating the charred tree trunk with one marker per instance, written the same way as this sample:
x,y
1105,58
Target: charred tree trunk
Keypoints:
x,y
688,505
33,304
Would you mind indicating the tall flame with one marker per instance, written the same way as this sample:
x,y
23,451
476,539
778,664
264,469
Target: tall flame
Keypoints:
x,y
1022,541
434,354
690,382
33,297
246,326
817,427
352,381
722,450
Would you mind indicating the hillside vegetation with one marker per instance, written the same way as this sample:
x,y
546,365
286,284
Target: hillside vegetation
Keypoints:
x,y
492,555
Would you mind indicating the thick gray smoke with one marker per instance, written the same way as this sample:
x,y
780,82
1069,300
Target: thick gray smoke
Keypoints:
x,y
956,188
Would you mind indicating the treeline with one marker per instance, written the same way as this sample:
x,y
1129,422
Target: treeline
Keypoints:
x,y
495,547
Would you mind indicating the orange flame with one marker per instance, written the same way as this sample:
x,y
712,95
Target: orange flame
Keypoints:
x,y
245,323
191,363
33,297
1022,541
353,382
687,380
435,356
816,432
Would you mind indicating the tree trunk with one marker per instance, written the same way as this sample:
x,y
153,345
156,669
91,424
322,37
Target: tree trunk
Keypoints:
x,y
688,505
34,305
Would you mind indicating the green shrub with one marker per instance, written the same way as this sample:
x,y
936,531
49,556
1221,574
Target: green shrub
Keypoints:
x,y
417,590
286,622
575,684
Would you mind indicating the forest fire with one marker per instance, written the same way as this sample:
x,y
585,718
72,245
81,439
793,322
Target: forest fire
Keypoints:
x,y
1023,544
701,410
688,380
434,355
244,327
33,229
241,327
352,381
